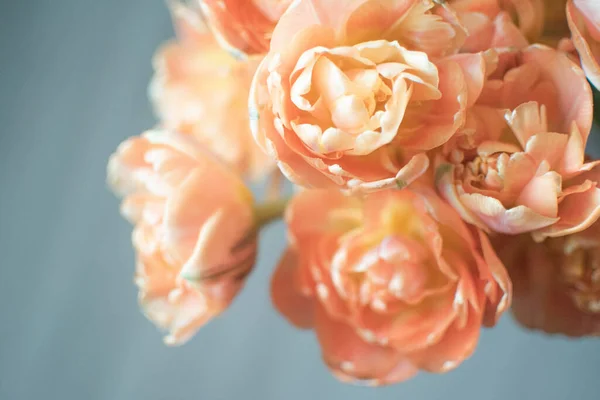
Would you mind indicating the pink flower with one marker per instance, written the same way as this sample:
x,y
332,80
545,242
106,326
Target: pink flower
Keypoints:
x,y
201,90
354,96
392,283
584,20
244,26
193,229
556,283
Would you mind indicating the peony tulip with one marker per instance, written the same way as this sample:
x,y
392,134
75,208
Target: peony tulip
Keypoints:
x,y
244,27
194,229
201,90
392,283
556,283
584,20
520,177
354,96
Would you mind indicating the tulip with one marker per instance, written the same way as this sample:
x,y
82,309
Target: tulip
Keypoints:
x,y
354,96
556,283
519,177
194,229
392,283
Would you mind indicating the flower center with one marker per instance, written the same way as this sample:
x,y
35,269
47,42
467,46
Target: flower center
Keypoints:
x,y
484,172
351,96
355,99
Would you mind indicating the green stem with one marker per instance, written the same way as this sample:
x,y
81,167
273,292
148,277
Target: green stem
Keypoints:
x,y
269,211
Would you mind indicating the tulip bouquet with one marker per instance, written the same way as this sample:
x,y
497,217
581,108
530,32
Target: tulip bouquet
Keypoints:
x,y
438,154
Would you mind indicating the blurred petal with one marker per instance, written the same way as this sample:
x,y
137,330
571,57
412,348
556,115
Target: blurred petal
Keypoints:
x,y
351,359
286,295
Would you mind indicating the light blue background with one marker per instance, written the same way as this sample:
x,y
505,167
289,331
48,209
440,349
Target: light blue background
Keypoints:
x,y
73,78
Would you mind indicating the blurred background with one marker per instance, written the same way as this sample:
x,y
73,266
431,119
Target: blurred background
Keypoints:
x,y
73,81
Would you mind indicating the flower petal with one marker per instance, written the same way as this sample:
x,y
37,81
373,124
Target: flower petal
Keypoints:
x,y
286,295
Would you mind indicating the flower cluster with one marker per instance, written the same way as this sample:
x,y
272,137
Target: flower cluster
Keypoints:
x,y
438,148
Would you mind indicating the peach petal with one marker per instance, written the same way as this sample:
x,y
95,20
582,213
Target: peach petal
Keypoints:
x,y
509,221
467,293
432,33
481,31
294,163
575,102
444,215
181,319
445,185
352,359
474,68
243,27
577,211
285,293
138,207
304,16
527,120
586,45
485,7
438,128
550,185
574,154
548,147
307,213
456,346
413,330
410,172
498,300
507,34
520,170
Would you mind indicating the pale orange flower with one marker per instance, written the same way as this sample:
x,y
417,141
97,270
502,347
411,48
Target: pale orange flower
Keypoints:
x,y
354,96
201,90
244,27
584,20
392,283
194,229
556,283
514,175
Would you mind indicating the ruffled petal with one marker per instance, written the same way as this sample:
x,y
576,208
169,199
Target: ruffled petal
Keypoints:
x,y
509,221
